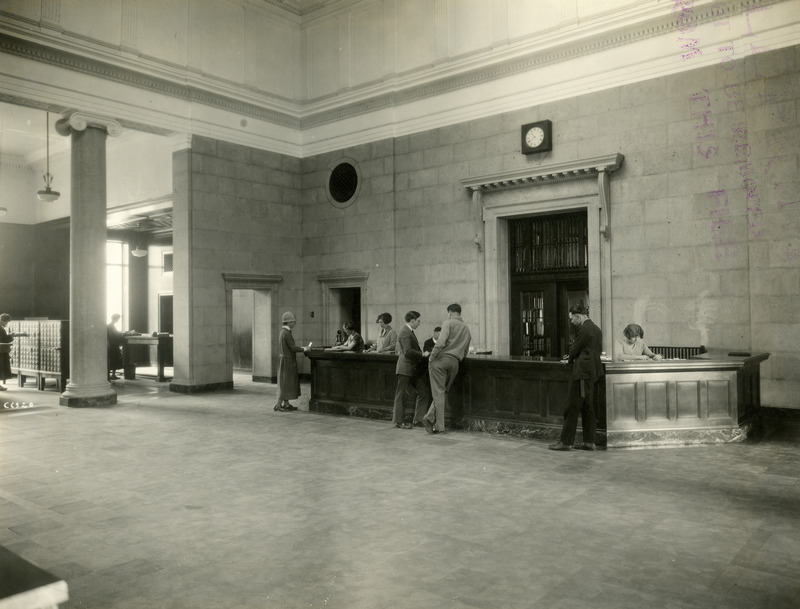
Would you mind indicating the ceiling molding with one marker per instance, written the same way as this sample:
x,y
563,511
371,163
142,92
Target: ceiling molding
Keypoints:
x,y
376,109
108,72
545,57
304,8
392,91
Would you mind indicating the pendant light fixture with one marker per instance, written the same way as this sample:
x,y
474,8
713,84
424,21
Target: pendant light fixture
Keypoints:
x,y
139,251
48,194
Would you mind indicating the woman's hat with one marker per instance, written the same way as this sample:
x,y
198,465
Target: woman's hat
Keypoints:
x,y
288,316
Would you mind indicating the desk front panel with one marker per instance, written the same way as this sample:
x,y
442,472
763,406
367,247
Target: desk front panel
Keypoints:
x,y
661,400
639,404
519,391
357,384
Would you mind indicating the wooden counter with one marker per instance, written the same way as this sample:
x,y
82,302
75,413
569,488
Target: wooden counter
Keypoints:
x,y
710,398
498,394
358,384
163,345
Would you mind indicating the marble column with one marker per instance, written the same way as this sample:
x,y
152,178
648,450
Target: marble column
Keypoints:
x,y
88,383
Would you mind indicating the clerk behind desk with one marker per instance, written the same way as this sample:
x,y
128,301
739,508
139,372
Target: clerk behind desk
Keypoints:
x,y
633,347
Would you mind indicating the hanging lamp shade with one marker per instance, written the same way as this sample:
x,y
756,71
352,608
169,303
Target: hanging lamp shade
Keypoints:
x,y
48,194
138,251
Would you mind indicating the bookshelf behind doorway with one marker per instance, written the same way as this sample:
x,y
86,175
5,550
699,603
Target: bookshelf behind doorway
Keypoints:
x,y
548,274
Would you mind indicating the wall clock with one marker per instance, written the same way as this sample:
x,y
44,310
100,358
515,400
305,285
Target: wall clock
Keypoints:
x,y
537,137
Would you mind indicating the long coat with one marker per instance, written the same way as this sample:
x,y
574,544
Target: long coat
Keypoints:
x,y
585,352
288,373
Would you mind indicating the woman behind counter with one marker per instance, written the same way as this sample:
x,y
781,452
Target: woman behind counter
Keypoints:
x,y
388,339
354,341
632,347
288,373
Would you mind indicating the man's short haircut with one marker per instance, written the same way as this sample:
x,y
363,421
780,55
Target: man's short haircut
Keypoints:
x,y
437,329
411,316
632,330
387,319
454,308
579,309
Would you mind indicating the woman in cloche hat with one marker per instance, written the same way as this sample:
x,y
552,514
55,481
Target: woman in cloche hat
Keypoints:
x,y
288,374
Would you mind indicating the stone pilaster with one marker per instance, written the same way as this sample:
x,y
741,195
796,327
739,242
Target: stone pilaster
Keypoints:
x,y
88,382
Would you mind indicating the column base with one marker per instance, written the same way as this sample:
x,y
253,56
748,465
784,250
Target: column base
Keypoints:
x,y
87,402
88,397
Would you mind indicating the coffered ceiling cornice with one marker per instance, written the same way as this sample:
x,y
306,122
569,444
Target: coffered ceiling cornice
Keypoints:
x,y
451,75
101,69
302,8
405,89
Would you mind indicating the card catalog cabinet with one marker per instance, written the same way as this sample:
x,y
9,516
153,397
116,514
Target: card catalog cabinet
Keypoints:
x,y
43,353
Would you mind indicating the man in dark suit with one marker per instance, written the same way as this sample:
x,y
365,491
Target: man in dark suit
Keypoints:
x,y
411,373
587,370
429,344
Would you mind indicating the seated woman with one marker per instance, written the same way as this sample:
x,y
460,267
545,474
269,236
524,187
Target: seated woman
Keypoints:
x,y
633,347
388,338
354,341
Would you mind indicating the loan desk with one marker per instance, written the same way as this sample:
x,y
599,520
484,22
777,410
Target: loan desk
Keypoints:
x,y
498,394
130,359
707,399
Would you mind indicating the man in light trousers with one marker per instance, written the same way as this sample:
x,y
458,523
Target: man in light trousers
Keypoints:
x,y
451,347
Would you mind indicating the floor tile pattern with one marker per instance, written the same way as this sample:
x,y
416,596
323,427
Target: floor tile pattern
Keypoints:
x,y
175,501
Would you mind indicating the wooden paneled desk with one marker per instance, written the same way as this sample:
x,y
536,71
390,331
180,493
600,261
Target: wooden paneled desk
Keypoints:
x,y
491,393
163,344
709,398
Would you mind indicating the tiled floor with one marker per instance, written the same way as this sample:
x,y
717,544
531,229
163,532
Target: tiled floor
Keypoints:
x,y
214,500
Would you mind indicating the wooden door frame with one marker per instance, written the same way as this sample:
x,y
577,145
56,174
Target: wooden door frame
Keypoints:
x,y
567,186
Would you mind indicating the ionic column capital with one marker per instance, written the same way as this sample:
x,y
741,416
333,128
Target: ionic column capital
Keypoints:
x,y
78,121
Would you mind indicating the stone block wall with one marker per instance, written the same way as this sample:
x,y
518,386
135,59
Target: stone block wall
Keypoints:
x,y
345,237
704,213
236,210
704,216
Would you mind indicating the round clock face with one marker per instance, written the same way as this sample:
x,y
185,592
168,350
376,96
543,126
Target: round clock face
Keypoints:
x,y
534,137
